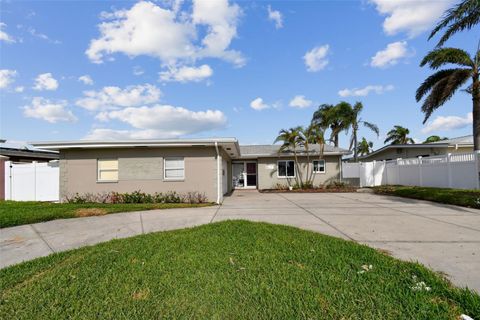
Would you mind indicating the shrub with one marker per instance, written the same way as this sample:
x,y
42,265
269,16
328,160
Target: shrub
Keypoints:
x,y
280,186
137,197
337,184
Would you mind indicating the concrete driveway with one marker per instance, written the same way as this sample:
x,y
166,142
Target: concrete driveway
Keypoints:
x,y
445,238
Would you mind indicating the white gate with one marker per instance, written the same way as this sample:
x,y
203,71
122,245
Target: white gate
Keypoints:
x,y
32,181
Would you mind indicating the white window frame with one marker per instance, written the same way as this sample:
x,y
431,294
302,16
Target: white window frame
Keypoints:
x,y
324,166
286,176
107,170
165,169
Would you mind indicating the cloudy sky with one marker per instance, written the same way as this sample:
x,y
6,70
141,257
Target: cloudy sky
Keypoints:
x,y
173,68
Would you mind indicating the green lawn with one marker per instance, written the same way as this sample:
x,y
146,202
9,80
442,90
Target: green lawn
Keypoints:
x,y
459,197
13,213
228,270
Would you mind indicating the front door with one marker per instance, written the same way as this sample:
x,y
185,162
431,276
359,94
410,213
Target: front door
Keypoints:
x,y
244,175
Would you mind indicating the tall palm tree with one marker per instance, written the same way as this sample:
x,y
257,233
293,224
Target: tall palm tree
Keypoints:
x,y
434,139
398,135
334,117
443,84
364,147
291,140
355,122
463,16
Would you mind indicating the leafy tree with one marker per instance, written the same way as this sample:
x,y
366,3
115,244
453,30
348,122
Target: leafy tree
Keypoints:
x,y
364,147
355,122
434,139
335,117
463,16
398,135
443,84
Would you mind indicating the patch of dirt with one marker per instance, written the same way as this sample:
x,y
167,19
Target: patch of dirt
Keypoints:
x,y
141,294
89,212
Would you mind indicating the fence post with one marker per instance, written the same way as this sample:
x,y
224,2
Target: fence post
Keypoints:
x,y
34,180
360,172
385,171
398,170
449,170
476,153
420,171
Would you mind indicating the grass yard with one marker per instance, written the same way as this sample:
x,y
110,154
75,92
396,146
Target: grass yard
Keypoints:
x,y
459,197
13,213
229,270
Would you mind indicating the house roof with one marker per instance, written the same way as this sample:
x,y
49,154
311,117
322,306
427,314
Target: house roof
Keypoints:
x,y
26,151
454,142
273,150
230,145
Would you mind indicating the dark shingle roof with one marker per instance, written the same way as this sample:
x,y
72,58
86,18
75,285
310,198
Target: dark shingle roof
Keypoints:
x,y
272,150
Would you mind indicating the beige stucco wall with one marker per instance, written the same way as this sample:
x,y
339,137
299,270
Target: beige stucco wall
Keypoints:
x,y
139,169
267,178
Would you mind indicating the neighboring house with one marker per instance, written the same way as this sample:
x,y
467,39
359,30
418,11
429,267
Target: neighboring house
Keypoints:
x,y
395,151
211,166
16,152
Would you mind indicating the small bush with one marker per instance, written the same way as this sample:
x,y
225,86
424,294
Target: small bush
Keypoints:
x,y
138,197
337,184
279,186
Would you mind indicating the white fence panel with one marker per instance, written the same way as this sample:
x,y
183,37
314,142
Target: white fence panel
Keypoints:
x,y
32,181
447,171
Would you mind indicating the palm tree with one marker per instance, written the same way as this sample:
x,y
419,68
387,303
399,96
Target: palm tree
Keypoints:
x,y
364,147
463,16
443,84
434,139
355,122
312,135
398,135
291,140
336,118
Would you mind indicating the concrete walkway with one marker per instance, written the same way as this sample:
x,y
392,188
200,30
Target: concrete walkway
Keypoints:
x,y
445,238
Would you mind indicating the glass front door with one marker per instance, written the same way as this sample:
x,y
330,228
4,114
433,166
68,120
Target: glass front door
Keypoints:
x,y
244,174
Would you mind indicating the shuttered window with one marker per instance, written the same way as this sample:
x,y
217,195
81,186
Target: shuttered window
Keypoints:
x,y
107,169
174,168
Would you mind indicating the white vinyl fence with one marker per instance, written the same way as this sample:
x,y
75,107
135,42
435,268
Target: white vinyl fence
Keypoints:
x,y
458,170
32,181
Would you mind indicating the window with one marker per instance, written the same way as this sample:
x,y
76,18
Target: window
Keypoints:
x,y
319,166
107,169
286,169
174,168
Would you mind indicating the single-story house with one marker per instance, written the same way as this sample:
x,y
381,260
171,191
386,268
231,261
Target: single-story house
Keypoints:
x,y
211,166
394,151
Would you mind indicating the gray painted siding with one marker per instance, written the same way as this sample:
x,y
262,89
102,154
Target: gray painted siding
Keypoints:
x,y
139,169
267,178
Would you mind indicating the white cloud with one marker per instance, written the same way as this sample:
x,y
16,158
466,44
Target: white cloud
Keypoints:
x,y
316,59
159,121
301,102
391,55
115,97
45,81
275,16
5,36
19,89
441,123
7,77
42,36
412,17
258,104
186,74
362,92
86,79
138,71
44,109
169,34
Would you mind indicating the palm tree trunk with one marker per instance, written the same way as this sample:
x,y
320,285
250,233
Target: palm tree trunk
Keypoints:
x,y
355,145
298,176
335,140
476,110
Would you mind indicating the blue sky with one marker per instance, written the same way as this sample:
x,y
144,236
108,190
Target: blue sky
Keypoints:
x,y
162,69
